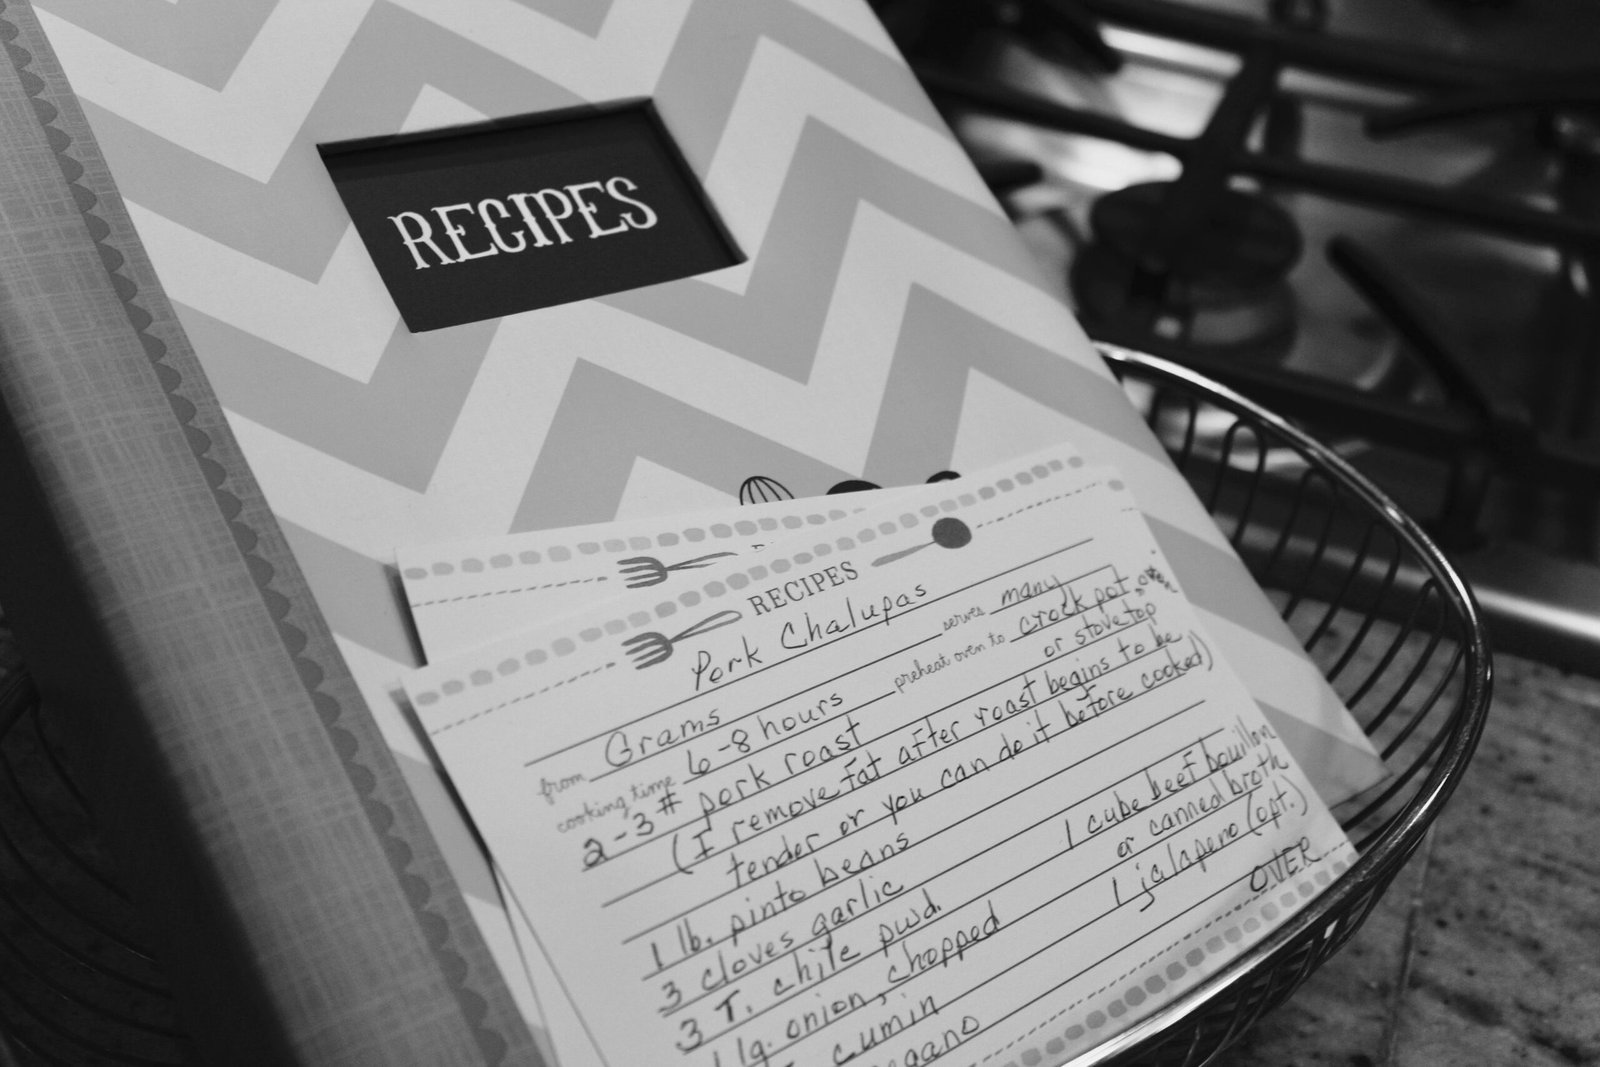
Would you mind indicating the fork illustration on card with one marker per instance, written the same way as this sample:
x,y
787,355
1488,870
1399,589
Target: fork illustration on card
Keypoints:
x,y
641,571
651,648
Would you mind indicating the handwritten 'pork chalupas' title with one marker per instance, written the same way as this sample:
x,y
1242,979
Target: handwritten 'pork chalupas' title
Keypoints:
x,y
517,222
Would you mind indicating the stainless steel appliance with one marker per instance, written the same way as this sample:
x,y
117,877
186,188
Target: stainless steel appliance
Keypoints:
x,y
1381,219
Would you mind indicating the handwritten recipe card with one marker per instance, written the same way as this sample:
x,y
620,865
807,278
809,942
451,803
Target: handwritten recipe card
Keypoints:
x,y
956,778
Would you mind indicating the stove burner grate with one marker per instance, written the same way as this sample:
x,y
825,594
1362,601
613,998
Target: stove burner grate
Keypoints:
x,y
1222,288
1445,324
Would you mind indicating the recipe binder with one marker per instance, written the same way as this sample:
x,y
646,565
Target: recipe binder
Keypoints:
x,y
228,428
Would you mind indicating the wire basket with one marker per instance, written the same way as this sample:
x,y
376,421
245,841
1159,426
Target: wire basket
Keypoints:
x,y
1394,629
1380,609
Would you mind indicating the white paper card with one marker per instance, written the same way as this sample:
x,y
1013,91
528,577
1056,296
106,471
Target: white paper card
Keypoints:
x,y
962,775
466,593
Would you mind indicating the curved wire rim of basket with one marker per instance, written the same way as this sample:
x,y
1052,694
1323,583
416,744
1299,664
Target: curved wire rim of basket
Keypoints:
x,y
1383,857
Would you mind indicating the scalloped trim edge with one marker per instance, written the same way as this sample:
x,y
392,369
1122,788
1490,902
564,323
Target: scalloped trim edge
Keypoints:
x,y
434,927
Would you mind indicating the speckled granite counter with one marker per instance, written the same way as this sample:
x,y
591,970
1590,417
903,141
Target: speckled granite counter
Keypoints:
x,y
1486,950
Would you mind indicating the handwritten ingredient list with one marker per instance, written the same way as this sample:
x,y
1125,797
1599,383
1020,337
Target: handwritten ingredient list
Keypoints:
x,y
958,778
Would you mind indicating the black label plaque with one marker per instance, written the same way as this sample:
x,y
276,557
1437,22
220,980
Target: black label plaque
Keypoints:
x,y
489,220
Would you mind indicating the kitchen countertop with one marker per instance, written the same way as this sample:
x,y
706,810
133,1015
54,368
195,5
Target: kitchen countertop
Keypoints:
x,y
1486,949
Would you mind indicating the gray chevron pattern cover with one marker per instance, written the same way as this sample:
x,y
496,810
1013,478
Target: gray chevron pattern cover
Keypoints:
x,y
886,325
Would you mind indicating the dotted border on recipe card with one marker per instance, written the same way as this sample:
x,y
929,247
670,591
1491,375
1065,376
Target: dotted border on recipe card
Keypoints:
x,y
1114,483
1135,994
563,553
506,592
565,646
